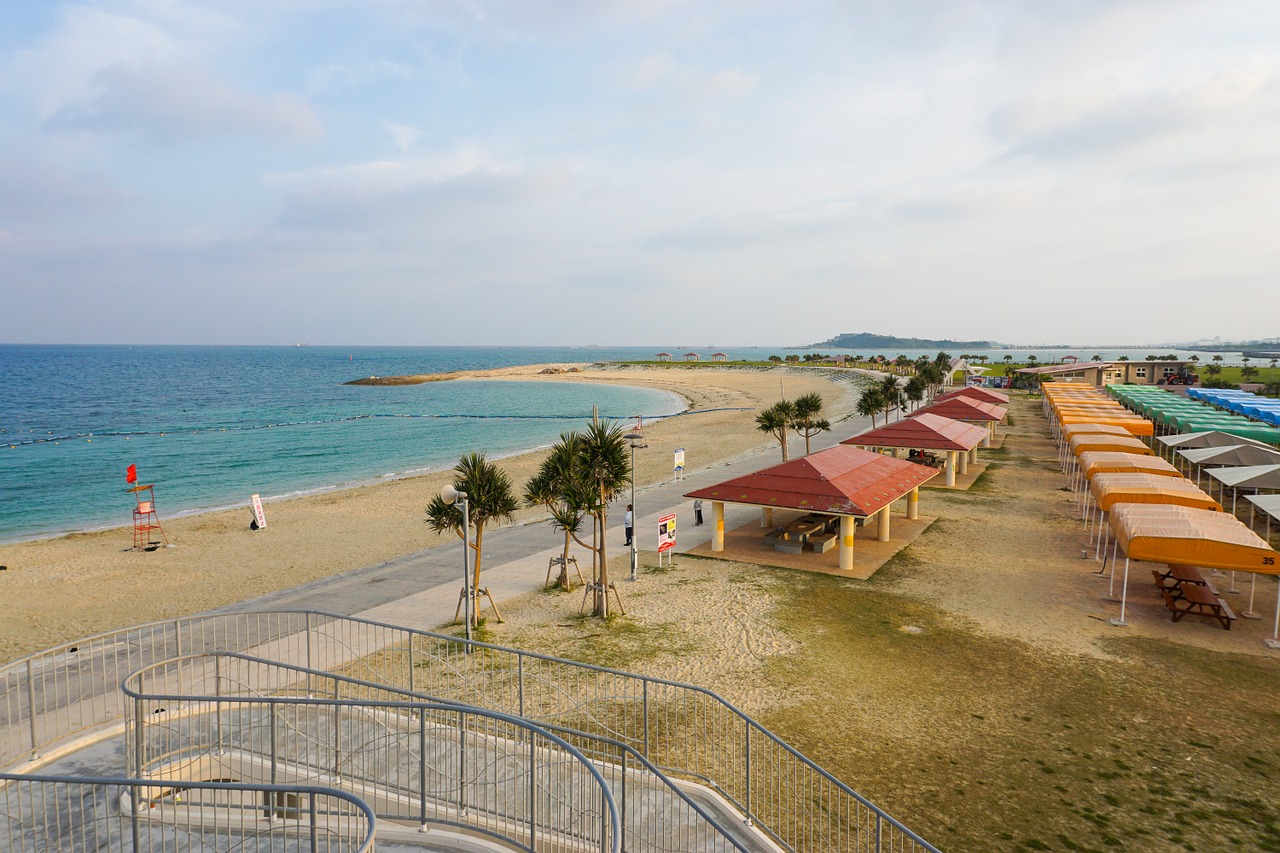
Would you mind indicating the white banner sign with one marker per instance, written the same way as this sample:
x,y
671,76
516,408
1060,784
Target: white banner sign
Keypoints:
x,y
679,458
258,515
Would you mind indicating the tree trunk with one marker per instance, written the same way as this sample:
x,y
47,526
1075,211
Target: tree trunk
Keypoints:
x,y
475,577
564,564
602,594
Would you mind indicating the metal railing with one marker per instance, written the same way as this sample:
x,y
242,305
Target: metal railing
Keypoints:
x,y
374,740
683,729
40,814
423,762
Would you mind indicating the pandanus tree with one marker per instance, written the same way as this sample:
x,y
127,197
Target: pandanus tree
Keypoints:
x,y
870,404
776,420
806,421
558,489
603,469
489,499
890,395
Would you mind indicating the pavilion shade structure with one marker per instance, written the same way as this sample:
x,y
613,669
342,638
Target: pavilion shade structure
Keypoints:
x,y
1209,438
1233,455
1070,430
985,395
962,409
1248,476
1114,443
1183,536
1094,462
841,480
1111,489
923,432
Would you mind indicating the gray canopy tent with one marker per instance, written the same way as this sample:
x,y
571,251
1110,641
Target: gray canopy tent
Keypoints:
x,y
1234,455
1255,477
1196,440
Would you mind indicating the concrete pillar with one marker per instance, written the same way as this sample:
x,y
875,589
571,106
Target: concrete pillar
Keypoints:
x,y
973,455
913,503
717,532
951,468
766,516
895,452
962,460
882,525
846,543
991,433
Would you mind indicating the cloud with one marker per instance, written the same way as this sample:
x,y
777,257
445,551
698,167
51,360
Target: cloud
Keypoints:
x,y
660,73
355,75
175,104
33,192
403,135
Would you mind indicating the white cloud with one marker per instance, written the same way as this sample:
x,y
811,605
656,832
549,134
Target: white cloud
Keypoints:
x,y
177,104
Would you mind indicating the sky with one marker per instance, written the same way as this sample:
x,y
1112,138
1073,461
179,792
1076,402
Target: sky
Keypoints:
x,y
548,172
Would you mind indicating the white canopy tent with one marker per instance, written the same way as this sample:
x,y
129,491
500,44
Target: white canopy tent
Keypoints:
x,y
1233,455
1255,477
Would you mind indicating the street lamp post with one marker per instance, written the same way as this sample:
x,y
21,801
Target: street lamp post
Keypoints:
x,y
452,495
632,439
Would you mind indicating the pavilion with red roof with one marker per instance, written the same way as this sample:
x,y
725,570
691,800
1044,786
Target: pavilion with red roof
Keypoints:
x,y
928,432
985,395
841,482
968,410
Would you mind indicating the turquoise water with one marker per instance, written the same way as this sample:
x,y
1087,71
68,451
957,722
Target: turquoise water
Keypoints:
x,y
212,425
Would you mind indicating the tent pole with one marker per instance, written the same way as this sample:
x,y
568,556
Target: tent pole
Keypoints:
x,y
1232,586
1253,586
1124,596
1104,533
1274,642
1111,587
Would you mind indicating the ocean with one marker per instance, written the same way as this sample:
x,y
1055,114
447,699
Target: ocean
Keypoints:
x,y
210,425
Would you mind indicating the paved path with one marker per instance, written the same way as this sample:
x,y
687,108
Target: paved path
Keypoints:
x,y
421,590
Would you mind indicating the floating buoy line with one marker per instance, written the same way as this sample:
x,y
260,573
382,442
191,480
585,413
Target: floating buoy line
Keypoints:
x,y
89,436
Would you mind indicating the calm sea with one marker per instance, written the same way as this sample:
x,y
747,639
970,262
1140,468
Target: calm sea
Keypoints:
x,y
212,425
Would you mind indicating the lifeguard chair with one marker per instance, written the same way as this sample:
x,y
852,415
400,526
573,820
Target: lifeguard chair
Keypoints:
x,y
145,520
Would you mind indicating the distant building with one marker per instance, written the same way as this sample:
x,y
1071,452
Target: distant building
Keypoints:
x,y
1100,373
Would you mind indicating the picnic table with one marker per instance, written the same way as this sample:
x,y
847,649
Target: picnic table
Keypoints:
x,y
1185,590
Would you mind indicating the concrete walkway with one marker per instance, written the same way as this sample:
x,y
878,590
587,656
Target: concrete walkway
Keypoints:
x,y
421,590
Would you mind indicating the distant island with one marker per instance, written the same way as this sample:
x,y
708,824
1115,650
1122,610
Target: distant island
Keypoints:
x,y
868,341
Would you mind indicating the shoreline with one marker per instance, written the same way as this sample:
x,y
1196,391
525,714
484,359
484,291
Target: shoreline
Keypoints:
x,y
79,584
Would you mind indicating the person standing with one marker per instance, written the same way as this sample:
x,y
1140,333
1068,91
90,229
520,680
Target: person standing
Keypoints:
x,y
697,511
629,521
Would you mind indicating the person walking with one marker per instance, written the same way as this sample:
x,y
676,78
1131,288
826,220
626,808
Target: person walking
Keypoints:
x,y
629,522
697,511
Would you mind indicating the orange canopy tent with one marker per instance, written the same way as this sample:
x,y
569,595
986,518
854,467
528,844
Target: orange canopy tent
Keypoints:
x,y
1185,536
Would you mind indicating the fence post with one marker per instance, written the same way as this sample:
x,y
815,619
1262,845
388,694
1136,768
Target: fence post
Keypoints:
x,y
315,838
750,821
462,763
31,708
533,794
520,680
422,769
309,667
217,706
645,708
337,735
878,829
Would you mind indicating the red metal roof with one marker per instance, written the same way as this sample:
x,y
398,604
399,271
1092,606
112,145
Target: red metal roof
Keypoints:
x,y
986,395
842,480
927,431
963,409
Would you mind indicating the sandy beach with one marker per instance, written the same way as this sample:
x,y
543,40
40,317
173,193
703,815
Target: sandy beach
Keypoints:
x,y
74,586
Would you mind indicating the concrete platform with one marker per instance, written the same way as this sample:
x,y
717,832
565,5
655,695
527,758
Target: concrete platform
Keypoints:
x,y
747,544
963,481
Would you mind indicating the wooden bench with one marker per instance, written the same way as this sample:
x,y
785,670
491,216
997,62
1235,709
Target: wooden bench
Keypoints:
x,y
1197,600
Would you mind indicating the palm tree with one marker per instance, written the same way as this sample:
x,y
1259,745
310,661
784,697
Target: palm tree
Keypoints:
x,y
1212,369
915,389
1123,358
489,498
777,420
1096,357
1248,373
558,488
1008,359
890,395
870,404
806,421
603,470
1031,359
1217,358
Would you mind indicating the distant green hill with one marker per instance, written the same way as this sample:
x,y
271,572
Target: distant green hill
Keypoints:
x,y
868,341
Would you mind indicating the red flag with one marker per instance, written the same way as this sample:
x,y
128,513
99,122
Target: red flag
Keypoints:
x,y
131,475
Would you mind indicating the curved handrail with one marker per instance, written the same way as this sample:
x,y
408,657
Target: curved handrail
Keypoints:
x,y
352,829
